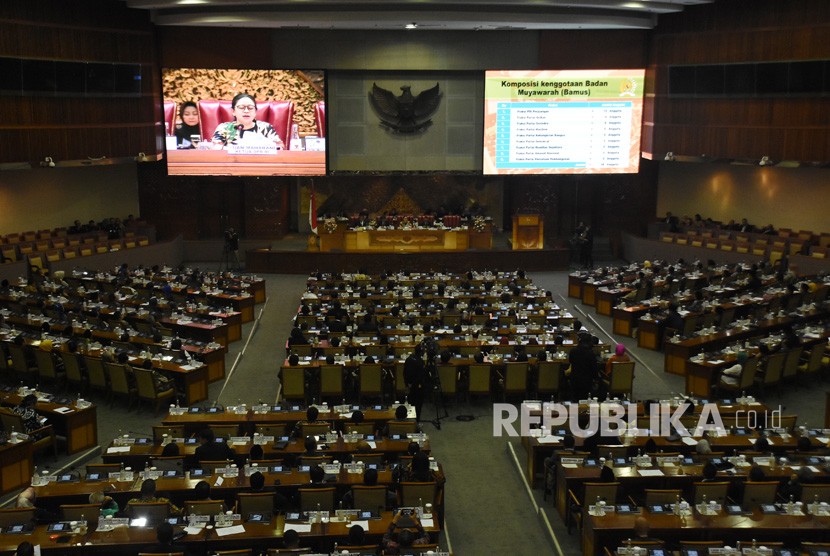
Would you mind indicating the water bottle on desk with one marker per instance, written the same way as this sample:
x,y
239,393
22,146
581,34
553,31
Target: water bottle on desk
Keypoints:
x,y
295,143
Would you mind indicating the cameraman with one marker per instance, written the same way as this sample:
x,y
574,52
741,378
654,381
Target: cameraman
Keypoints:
x,y
232,245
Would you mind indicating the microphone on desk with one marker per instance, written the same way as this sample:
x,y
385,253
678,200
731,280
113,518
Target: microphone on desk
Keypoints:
x,y
241,130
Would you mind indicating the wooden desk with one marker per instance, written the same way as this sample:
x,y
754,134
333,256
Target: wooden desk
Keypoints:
x,y
192,162
651,334
195,422
16,466
139,454
626,319
79,426
607,298
200,331
396,240
257,535
575,282
613,529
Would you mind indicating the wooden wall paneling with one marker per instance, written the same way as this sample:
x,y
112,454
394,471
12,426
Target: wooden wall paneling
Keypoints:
x,y
266,207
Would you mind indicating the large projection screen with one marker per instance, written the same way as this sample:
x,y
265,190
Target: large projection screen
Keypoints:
x,y
562,122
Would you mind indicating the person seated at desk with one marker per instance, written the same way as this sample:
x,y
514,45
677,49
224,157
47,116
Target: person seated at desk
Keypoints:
x,y
673,319
244,121
201,491
297,338
401,416
731,376
189,114
25,549
641,530
27,499
148,494
418,471
32,421
109,507
165,541
311,415
405,531
290,539
210,449
370,478
620,356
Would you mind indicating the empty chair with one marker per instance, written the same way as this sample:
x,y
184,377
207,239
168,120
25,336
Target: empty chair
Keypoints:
x,y
254,503
759,492
549,378
414,493
578,502
96,374
16,516
515,379
772,370
292,381
313,498
656,496
448,376
401,428
370,377
149,390
711,491
809,492
813,364
74,372
25,368
120,379
47,369
168,463
204,507
331,382
275,430
224,431
621,381
612,451
314,429
480,379
103,469
368,457
81,512
369,497
703,546
791,362
154,512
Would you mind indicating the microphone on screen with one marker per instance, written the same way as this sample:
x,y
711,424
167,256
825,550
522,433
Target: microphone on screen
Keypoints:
x,y
240,129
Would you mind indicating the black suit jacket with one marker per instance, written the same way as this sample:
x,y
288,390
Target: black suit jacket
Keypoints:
x,y
214,451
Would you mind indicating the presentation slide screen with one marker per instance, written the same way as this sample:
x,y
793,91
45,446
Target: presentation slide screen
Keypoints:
x,y
562,122
276,127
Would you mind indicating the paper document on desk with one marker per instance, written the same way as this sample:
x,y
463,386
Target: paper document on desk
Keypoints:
x,y
570,465
118,449
363,523
192,530
650,472
64,410
301,527
689,441
549,439
232,530
426,523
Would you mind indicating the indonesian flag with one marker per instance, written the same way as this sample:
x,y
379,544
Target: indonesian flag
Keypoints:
x,y
312,211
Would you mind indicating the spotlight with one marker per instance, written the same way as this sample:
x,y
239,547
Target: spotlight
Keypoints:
x,y
47,162
765,161
669,156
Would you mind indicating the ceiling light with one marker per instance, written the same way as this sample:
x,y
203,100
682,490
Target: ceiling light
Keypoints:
x,y
412,25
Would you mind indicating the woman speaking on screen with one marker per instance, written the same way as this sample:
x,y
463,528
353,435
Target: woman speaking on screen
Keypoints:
x,y
244,129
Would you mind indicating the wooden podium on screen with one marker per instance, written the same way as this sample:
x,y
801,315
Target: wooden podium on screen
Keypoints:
x,y
528,232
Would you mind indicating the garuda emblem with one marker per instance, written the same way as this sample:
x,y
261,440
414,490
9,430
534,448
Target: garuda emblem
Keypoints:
x,y
405,113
